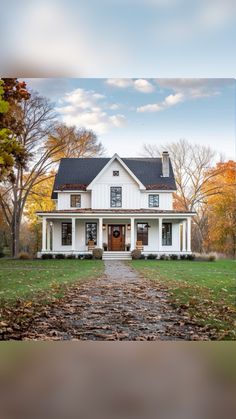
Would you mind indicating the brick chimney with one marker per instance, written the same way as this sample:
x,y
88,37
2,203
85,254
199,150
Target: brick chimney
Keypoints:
x,y
165,164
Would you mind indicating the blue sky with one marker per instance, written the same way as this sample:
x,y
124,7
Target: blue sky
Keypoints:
x,y
126,113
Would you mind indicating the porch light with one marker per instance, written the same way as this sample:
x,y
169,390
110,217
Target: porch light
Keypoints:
x,y
128,226
104,226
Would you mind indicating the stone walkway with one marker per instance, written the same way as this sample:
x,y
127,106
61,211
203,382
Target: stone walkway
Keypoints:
x,y
119,306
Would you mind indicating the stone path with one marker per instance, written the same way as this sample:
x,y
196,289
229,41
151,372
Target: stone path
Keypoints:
x,y
119,306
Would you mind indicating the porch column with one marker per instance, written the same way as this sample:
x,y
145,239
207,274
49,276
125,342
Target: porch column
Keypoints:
x,y
132,240
44,226
184,237
73,233
189,234
100,233
160,235
48,228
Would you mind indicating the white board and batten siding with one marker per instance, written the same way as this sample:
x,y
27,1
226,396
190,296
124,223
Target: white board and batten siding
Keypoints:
x,y
63,201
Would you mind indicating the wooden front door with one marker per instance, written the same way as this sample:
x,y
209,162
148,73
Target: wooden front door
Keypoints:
x,y
116,237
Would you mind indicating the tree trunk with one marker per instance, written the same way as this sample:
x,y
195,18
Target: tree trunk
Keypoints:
x,y
15,234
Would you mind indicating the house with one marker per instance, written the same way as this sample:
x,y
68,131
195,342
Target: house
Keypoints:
x,y
117,204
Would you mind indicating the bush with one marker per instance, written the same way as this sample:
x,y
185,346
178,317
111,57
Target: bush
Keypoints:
x,y
1,254
136,254
46,256
87,256
70,257
212,258
142,256
97,253
182,257
190,257
163,257
24,256
174,257
60,256
151,256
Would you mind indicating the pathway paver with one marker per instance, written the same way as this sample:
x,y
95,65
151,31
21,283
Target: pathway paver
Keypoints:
x,y
119,306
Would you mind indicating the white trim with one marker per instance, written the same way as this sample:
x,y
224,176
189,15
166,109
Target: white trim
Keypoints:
x,y
159,190
113,215
116,157
70,191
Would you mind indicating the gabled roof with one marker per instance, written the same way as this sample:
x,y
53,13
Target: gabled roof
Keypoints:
x,y
78,173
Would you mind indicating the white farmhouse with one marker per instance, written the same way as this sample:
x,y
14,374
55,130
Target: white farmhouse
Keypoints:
x,y
117,204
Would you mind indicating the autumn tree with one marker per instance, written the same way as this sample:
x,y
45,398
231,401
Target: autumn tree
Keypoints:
x,y
191,163
74,142
12,93
221,209
39,123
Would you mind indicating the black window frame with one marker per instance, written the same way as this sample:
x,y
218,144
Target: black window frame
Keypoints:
x,y
150,198
141,236
166,240
112,188
66,237
87,239
72,196
116,173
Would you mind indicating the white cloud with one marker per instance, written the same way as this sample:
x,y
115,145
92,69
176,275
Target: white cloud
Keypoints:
x,y
121,83
144,86
84,108
185,89
169,101
141,85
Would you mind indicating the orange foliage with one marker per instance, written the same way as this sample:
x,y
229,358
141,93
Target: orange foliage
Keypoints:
x,y
221,209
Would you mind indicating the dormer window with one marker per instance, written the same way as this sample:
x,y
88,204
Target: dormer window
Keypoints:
x,y
116,173
75,201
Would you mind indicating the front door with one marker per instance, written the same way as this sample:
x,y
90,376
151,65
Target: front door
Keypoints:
x,y
116,237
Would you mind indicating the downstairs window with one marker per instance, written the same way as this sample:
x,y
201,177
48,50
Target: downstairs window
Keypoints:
x,y
66,234
166,234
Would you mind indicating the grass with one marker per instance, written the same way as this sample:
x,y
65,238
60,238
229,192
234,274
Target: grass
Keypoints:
x,y
25,279
206,290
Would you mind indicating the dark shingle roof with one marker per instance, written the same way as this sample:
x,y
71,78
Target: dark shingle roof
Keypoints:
x,y
77,173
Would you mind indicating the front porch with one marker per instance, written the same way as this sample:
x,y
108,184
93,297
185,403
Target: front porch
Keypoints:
x,y
116,234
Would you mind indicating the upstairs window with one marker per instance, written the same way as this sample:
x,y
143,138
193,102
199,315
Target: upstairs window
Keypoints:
x,y
66,234
142,233
116,173
75,201
116,197
153,201
166,234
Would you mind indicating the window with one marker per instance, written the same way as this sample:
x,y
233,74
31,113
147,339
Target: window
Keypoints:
x,y
142,233
116,196
116,173
75,201
91,232
66,234
153,201
166,234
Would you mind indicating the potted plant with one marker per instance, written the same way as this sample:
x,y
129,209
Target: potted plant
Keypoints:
x,y
105,247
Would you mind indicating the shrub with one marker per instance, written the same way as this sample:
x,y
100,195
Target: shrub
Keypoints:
x,y
151,256
163,257
1,254
190,257
142,256
183,257
174,257
46,256
60,256
212,258
70,257
24,255
87,256
97,253
136,254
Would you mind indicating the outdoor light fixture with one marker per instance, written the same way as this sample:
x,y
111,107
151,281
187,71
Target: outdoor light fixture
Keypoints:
x,y
128,227
104,226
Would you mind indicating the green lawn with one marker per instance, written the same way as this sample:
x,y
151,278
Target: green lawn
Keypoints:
x,y
206,290
25,279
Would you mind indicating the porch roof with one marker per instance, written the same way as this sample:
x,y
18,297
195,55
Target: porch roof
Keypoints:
x,y
115,211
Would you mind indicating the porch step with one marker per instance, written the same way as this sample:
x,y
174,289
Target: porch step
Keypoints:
x,y
116,255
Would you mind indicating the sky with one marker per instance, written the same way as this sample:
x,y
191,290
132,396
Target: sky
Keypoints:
x,y
118,38
126,113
